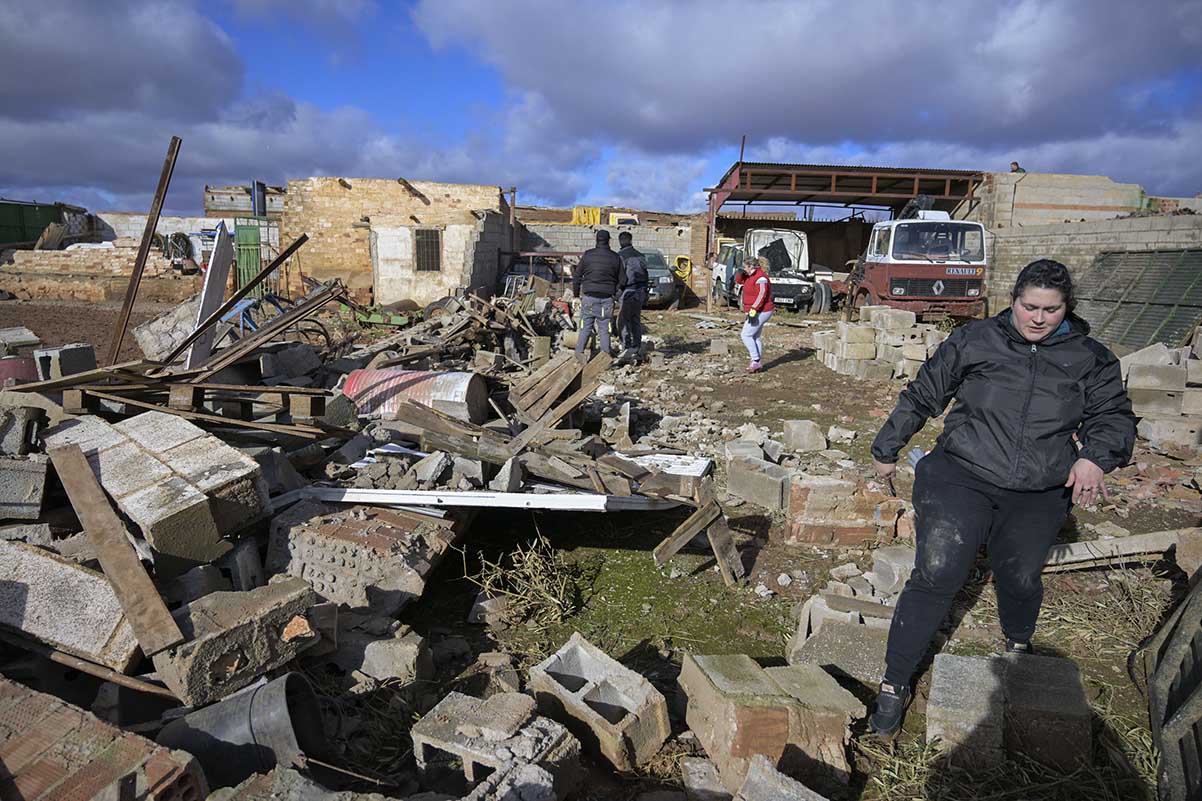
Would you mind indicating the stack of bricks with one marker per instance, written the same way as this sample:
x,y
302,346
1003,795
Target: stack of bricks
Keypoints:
x,y
93,274
886,343
1165,387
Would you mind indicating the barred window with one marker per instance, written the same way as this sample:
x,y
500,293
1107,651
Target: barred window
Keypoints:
x,y
428,249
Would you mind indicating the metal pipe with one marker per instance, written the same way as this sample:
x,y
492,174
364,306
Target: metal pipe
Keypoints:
x,y
92,669
252,731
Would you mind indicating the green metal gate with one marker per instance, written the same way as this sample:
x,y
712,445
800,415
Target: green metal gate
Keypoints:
x,y
256,243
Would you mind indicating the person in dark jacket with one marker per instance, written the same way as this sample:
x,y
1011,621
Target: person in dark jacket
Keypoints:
x,y
1040,416
634,296
600,277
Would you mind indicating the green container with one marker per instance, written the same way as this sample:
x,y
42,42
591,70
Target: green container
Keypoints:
x,y
21,221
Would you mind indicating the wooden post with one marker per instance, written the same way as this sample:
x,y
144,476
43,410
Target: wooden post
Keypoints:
x,y
152,222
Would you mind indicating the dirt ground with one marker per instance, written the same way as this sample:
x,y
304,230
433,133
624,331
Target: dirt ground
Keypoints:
x,y
649,617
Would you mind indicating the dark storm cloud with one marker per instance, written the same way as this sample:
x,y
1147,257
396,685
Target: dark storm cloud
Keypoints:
x,y
59,59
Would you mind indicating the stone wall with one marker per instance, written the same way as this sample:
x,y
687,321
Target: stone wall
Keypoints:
x,y
671,240
1077,244
470,258
339,215
1010,200
91,274
114,224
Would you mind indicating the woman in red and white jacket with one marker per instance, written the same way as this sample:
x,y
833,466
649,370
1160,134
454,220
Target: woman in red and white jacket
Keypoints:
x,y
757,302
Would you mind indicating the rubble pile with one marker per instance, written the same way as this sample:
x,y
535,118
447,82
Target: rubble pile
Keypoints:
x,y
886,343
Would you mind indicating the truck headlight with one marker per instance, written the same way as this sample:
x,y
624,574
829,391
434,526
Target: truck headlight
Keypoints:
x,y
972,293
665,279
899,290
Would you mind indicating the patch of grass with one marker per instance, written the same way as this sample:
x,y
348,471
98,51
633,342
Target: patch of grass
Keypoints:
x,y
541,586
905,771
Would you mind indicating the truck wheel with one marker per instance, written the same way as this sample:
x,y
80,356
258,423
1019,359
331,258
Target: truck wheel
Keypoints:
x,y
822,292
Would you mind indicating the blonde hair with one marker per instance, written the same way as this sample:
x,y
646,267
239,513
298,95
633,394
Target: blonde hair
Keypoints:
x,y
763,263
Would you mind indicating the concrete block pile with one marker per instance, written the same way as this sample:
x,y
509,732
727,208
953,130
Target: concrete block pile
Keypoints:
x,y
1165,387
886,343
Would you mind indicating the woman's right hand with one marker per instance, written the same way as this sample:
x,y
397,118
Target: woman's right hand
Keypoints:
x,y
884,470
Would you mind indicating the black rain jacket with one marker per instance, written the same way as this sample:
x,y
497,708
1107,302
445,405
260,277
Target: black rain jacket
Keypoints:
x,y
599,273
1018,404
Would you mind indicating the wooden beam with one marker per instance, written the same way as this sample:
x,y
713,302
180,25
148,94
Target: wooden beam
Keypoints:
x,y
693,525
153,625
152,222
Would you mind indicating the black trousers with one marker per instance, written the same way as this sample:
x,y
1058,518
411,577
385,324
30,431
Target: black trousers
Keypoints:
x,y
630,320
957,513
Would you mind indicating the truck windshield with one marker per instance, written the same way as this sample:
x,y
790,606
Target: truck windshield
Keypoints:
x,y
939,241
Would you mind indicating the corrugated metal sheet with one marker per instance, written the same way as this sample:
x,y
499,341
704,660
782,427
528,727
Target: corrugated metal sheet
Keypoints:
x,y
378,393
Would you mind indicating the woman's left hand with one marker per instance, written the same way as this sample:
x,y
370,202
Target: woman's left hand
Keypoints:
x,y
1086,480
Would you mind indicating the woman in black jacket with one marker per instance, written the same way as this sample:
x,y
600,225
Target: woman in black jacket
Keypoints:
x,y
1040,416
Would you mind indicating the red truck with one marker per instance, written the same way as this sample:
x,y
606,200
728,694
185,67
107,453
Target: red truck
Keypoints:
x,y
925,262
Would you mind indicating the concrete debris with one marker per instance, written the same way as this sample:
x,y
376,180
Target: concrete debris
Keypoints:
x,y
765,783
359,556
760,482
64,360
804,436
467,739
796,716
891,568
848,651
701,780
22,486
54,601
611,709
235,637
840,513
980,707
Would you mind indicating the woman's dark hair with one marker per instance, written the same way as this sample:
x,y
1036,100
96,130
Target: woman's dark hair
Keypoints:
x,y
1046,274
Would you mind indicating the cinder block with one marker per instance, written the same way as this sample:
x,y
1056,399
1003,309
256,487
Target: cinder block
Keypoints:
x,y
701,781
361,556
1048,717
916,350
966,709
796,717
875,370
1171,430
891,567
743,449
1156,401
866,312
804,436
65,360
231,480
857,350
765,783
1193,371
611,709
1191,402
22,486
846,651
891,319
19,428
1160,377
57,602
759,482
851,333
490,735
235,637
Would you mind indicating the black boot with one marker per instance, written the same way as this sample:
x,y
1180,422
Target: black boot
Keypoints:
x,y
1016,647
891,703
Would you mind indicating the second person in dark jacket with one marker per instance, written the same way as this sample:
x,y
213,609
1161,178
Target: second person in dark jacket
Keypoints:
x,y
1006,469
597,280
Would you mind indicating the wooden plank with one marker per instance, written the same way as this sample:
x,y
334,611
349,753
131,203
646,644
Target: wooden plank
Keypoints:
x,y
75,379
730,564
697,522
278,428
544,395
1092,553
525,385
135,277
153,625
588,387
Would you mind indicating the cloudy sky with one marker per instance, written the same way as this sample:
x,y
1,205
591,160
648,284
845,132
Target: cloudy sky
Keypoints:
x,y
635,103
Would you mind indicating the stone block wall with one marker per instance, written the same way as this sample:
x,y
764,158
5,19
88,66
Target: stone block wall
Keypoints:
x,y
91,274
671,240
1010,200
339,216
1077,244
470,257
116,224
